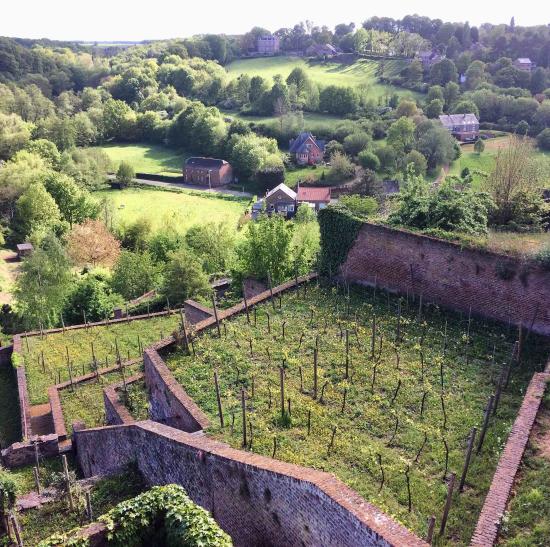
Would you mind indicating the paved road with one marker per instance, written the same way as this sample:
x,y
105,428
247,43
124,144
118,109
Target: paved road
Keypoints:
x,y
183,186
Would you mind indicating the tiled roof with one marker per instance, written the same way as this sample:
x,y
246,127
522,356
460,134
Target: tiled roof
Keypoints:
x,y
285,189
524,60
207,163
313,194
458,119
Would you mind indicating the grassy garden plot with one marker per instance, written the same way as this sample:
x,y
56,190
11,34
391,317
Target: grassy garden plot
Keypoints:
x,y
85,401
179,209
78,344
394,412
147,158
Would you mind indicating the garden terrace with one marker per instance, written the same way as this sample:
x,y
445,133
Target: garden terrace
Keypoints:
x,y
407,402
46,357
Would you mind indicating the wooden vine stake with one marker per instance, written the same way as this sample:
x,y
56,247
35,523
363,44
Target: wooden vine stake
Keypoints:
x,y
347,355
408,479
471,441
218,398
216,316
485,423
448,502
331,444
315,376
270,289
36,476
431,526
246,306
282,389
243,409
89,511
184,330
16,529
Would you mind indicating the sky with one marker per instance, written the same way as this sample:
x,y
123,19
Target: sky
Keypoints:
x,y
105,20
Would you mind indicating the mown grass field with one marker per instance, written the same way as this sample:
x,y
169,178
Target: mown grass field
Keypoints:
x,y
361,73
312,120
377,410
78,344
180,210
147,158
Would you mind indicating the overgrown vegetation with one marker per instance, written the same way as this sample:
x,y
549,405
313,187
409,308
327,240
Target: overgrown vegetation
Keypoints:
x,y
382,406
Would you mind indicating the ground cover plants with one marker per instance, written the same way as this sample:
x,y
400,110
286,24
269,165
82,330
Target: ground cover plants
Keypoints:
x,y
390,415
9,407
46,357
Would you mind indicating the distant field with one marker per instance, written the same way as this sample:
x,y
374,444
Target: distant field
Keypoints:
x,y
312,120
147,158
179,209
362,72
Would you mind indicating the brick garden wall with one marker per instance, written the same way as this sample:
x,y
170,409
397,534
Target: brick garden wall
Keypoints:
x,y
490,518
257,500
493,285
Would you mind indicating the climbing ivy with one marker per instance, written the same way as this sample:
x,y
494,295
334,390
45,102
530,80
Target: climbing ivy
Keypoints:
x,y
339,229
163,515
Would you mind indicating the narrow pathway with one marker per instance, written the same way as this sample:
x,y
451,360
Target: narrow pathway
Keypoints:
x,y
442,175
41,419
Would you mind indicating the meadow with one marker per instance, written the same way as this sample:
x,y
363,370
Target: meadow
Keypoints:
x,y
147,158
388,410
361,73
178,209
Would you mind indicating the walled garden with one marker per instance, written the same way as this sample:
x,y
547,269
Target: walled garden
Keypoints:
x,y
399,386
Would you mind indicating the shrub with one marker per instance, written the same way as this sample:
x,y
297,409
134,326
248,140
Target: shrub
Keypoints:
x,y
369,160
124,175
543,140
342,167
360,206
543,257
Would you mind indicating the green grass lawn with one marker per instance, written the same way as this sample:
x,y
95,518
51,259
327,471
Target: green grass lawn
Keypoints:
x,y
179,209
377,409
361,73
78,343
304,174
147,158
312,120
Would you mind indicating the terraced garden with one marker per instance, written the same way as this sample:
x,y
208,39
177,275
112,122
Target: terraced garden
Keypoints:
x,y
46,358
390,414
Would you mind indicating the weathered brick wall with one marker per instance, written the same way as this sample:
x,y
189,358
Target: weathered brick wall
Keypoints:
x,y
257,500
489,521
116,412
168,401
18,454
196,312
447,274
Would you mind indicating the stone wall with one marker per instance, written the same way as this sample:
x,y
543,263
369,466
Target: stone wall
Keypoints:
x,y
196,312
490,518
168,402
116,412
493,285
257,500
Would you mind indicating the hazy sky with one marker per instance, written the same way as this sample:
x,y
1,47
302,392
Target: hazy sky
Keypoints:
x,y
133,20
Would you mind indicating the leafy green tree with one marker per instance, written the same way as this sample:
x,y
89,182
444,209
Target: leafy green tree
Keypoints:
x,y
136,236
213,243
135,274
75,204
250,153
14,135
341,167
47,150
356,142
401,135
91,297
435,92
163,243
369,160
36,212
443,72
304,214
265,249
406,108
436,144
543,139
184,277
466,107
451,92
418,162
43,285
434,108
479,146
118,121
125,174
338,100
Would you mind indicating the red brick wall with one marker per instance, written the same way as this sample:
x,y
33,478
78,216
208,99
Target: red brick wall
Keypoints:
x,y
257,500
448,274
488,524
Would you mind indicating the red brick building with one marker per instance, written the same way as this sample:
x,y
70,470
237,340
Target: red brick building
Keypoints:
x,y
316,198
207,171
306,149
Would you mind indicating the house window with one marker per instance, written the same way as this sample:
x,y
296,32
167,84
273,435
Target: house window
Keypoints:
x,y
291,208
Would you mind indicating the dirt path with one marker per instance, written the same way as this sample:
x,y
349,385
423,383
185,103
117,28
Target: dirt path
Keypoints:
x,y
442,175
9,270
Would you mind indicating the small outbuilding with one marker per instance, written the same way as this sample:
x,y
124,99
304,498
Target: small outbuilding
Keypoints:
x,y
209,172
24,249
316,197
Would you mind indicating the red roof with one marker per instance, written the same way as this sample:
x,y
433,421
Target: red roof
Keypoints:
x,y
314,194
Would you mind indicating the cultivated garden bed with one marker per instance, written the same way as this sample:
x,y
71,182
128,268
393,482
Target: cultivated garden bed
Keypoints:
x,y
395,419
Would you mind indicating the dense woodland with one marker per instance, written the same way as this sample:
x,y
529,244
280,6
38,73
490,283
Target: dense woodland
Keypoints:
x,y
59,100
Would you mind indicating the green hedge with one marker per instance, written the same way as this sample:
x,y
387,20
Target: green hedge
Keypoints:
x,y
163,515
339,229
